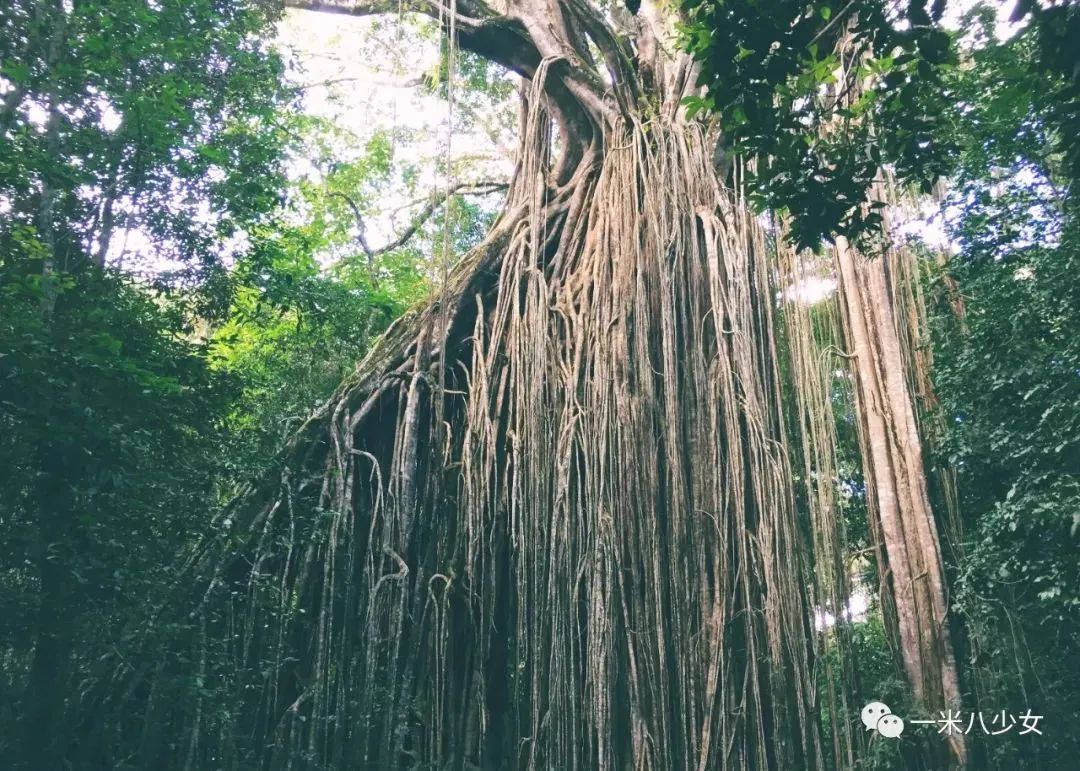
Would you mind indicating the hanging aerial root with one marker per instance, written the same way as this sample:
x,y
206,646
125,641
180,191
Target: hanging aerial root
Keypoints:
x,y
593,563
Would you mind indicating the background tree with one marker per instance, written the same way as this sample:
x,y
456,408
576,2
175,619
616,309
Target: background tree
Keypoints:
x,y
1008,385
116,118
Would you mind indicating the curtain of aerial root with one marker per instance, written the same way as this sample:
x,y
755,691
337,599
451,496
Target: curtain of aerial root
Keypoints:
x,y
910,561
592,561
812,334
879,315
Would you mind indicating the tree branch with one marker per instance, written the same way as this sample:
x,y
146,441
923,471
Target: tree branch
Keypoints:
x,y
435,200
526,37
373,79
517,40
360,7
468,11
361,236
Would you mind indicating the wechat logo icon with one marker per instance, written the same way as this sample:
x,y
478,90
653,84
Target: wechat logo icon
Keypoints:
x,y
877,716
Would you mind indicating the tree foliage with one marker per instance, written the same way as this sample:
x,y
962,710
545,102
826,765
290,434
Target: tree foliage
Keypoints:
x,y
1008,377
822,96
121,117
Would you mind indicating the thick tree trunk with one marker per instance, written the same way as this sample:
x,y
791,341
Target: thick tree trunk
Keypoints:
x,y
549,523
582,551
594,561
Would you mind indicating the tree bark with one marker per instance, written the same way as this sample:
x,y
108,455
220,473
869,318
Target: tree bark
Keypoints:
x,y
912,571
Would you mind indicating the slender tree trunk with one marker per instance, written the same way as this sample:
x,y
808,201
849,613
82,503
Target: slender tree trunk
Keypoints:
x,y
912,571
44,698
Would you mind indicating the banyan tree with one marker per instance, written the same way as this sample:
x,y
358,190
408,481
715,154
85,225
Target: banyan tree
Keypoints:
x,y
577,510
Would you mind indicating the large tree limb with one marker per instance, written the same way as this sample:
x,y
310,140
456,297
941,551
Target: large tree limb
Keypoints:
x,y
520,38
373,7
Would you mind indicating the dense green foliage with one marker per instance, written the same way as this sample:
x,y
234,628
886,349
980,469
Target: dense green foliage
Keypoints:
x,y
1056,27
1009,379
822,96
825,95
118,120
294,329
109,416
122,116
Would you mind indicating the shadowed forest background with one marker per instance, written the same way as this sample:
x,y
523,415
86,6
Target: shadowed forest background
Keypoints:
x,y
562,384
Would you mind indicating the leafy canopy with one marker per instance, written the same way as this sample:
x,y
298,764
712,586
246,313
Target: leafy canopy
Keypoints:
x,y
822,96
